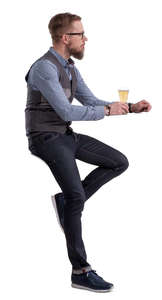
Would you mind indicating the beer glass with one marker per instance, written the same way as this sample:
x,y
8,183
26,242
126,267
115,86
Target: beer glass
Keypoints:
x,y
123,95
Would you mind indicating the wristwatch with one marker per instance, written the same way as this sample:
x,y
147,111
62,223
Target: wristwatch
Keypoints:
x,y
130,110
107,109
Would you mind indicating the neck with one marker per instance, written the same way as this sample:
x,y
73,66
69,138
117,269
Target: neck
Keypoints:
x,y
64,53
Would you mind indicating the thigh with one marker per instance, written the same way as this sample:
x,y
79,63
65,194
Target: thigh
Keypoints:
x,y
58,152
95,152
41,145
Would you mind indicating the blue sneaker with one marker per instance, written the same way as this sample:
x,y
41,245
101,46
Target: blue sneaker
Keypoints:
x,y
58,204
91,281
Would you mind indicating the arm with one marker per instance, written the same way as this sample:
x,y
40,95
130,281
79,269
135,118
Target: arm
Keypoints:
x,y
84,95
45,78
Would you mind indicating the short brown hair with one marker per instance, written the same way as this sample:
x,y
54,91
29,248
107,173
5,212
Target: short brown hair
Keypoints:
x,y
60,24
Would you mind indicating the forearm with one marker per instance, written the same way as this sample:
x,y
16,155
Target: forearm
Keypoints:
x,y
51,89
83,113
68,112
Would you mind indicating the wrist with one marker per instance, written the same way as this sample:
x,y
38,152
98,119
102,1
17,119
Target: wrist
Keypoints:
x,y
131,107
107,110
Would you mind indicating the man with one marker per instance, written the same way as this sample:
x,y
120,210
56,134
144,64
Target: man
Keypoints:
x,y
53,81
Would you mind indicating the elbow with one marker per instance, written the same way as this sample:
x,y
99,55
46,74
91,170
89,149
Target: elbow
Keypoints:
x,y
67,118
66,114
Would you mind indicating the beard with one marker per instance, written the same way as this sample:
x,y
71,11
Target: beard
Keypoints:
x,y
75,53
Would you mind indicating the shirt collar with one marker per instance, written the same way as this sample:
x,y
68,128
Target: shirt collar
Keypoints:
x,y
65,62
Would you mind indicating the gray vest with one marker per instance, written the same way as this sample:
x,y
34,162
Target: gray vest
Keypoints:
x,y
39,114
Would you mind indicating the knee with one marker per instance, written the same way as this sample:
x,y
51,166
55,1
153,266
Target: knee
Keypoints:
x,y
124,162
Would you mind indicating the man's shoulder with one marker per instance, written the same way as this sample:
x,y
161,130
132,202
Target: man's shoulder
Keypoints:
x,y
44,66
44,63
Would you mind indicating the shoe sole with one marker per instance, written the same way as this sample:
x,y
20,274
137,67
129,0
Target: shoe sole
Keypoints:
x,y
89,289
56,211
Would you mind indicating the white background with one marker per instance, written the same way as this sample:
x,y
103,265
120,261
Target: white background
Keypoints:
x,y
121,221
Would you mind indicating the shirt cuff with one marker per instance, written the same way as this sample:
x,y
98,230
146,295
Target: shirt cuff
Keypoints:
x,y
100,112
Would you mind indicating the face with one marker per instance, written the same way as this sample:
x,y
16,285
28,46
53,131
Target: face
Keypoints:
x,y
75,43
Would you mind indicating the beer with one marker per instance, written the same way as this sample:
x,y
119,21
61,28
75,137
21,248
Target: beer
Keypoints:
x,y
123,94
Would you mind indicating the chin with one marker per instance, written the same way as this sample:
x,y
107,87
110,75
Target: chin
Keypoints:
x,y
78,55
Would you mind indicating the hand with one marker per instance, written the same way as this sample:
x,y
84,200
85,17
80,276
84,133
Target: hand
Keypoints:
x,y
119,108
141,106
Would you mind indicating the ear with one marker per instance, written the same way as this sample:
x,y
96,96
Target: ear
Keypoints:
x,y
65,38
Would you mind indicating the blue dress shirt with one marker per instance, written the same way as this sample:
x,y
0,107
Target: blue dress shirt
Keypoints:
x,y
43,76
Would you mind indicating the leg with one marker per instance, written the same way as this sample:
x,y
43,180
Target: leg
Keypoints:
x,y
111,162
70,183
58,154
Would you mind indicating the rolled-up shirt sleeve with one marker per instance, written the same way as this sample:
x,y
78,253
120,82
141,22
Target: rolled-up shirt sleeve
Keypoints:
x,y
44,77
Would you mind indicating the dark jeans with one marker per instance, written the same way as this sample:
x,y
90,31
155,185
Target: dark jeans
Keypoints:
x,y
60,152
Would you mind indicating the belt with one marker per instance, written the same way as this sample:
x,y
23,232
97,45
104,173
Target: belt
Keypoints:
x,y
70,131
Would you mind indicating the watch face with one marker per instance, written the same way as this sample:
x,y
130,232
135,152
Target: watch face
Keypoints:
x,y
129,104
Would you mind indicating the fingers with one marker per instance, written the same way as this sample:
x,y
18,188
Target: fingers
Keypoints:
x,y
119,108
147,103
125,107
124,111
147,107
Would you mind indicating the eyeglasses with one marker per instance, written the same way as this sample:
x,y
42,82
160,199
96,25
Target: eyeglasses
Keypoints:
x,y
76,33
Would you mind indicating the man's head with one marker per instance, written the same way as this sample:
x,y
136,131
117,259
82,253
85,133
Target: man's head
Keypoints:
x,y
67,34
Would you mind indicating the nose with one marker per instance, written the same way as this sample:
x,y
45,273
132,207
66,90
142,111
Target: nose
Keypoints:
x,y
85,38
